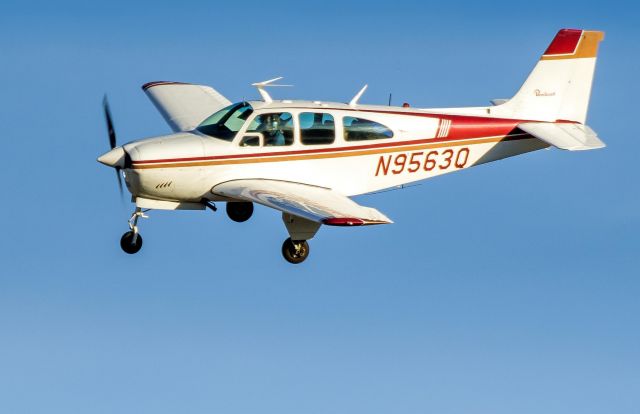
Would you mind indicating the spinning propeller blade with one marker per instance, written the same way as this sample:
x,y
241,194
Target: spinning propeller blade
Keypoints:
x,y
119,182
112,137
107,116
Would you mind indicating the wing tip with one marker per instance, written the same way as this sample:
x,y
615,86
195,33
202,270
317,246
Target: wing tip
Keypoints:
x,y
160,83
352,221
343,221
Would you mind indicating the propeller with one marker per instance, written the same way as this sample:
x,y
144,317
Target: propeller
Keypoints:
x,y
112,137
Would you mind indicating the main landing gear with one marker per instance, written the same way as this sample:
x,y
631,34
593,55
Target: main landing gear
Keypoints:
x,y
295,251
131,241
239,211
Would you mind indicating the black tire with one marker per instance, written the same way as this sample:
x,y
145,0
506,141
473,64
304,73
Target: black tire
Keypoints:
x,y
239,211
291,254
127,245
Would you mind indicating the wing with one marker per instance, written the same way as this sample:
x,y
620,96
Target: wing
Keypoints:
x,y
566,136
183,105
318,204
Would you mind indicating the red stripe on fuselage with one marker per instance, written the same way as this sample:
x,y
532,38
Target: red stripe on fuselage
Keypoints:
x,y
462,127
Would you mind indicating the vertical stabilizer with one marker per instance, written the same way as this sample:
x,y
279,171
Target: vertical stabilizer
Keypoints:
x,y
559,87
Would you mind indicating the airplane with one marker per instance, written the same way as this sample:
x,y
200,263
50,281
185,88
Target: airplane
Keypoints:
x,y
307,158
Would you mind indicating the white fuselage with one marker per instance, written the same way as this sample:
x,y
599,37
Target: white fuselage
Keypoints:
x,y
425,143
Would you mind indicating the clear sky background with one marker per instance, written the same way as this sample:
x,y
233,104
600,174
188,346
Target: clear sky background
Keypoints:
x,y
508,288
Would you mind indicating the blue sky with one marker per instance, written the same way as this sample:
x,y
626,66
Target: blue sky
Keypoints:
x,y
511,287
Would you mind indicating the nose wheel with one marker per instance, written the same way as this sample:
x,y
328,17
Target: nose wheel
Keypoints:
x,y
295,251
131,241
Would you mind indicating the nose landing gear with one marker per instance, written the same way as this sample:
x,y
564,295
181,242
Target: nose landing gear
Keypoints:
x,y
131,241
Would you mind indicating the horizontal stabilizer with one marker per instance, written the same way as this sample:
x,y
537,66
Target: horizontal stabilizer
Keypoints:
x,y
318,204
566,136
184,105
496,102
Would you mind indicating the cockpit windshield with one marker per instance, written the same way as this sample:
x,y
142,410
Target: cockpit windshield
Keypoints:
x,y
226,123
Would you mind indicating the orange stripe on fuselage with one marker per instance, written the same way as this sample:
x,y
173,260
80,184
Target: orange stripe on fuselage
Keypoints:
x,y
460,127
323,153
462,130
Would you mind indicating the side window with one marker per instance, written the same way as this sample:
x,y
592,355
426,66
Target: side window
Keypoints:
x,y
358,129
317,128
276,128
251,140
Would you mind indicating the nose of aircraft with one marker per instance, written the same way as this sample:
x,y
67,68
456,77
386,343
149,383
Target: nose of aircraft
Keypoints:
x,y
114,158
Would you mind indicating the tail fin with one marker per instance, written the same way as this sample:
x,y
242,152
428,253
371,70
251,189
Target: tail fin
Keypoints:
x,y
559,86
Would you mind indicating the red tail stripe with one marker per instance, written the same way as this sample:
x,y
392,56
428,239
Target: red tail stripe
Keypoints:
x,y
565,42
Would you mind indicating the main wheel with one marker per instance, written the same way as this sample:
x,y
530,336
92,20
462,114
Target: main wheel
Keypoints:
x,y
127,244
295,252
239,211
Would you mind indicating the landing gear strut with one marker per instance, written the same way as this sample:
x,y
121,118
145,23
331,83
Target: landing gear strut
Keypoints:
x,y
131,241
295,251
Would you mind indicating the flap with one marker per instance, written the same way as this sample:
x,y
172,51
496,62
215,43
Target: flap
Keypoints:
x,y
566,136
183,105
318,204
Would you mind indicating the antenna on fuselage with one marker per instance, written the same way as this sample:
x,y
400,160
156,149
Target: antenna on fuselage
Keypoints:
x,y
356,98
268,83
389,99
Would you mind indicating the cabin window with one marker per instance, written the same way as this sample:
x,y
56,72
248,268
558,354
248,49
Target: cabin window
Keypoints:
x,y
251,140
276,128
317,128
358,129
226,123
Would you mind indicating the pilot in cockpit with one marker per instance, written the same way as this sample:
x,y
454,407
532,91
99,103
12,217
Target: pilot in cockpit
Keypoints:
x,y
272,131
